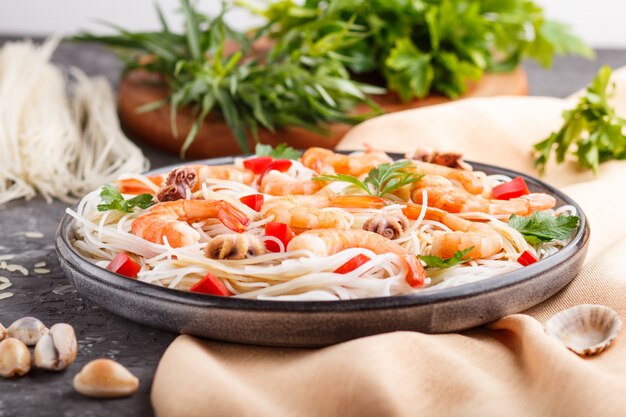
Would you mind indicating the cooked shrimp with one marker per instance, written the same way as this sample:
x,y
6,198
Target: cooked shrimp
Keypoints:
x,y
324,161
304,212
171,220
467,179
186,177
279,183
444,195
485,240
325,242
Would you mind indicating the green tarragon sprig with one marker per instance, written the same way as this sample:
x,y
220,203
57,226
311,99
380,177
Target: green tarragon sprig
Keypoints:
x,y
383,179
211,68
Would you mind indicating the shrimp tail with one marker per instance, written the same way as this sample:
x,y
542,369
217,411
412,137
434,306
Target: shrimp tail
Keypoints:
x,y
232,217
416,275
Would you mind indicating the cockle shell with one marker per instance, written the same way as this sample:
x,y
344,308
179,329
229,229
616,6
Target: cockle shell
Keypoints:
x,y
586,329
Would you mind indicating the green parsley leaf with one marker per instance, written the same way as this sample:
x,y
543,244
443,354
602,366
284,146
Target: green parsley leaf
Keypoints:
x,y
383,179
114,200
543,227
592,129
419,47
441,263
281,151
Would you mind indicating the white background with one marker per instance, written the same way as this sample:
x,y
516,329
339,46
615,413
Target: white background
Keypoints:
x,y
599,22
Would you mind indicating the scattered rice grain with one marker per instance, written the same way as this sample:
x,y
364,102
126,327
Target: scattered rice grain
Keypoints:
x,y
7,257
33,235
4,283
40,264
13,268
41,271
6,295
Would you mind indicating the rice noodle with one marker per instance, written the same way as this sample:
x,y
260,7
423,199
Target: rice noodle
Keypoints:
x,y
291,275
51,145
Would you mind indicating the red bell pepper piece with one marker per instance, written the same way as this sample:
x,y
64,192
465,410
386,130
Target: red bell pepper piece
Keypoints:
x,y
123,265
254,201
281,165
511,189
352,264
257,165
211,285
527,258
280,231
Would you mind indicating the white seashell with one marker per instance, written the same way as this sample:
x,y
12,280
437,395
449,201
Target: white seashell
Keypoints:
x,y
56,350
105,378
586,329
14,358
28,330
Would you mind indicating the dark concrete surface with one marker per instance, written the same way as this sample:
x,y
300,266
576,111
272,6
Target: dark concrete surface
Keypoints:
x,y
52,299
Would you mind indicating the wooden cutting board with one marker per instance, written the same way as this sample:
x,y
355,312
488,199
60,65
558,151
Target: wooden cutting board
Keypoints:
x,y
215,138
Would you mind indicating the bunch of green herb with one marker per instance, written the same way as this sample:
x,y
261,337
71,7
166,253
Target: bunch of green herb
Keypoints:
x,y
543,227
302,84
592,128
424,46
281,151
438,262
383,179
112,199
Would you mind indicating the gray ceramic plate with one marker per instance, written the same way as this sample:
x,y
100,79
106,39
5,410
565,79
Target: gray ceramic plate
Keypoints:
x,y
318,323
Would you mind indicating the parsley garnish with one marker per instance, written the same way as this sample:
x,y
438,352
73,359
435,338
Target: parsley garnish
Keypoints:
x,y
592,128
281,151
441,263
383,179
114,200
543,227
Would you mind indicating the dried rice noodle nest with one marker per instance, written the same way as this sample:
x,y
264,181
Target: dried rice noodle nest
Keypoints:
x,y
586,329
52,144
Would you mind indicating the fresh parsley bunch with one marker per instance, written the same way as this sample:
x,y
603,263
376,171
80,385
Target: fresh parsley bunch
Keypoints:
x,y
424,46
592,128
302,82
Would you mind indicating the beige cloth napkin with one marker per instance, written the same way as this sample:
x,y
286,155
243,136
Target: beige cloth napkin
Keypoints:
x,y
510,367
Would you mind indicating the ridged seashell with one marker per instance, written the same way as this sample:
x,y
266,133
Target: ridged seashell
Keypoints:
x,y
586,329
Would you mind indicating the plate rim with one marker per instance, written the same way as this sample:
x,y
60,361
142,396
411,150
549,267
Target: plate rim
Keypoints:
x,y
82,265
